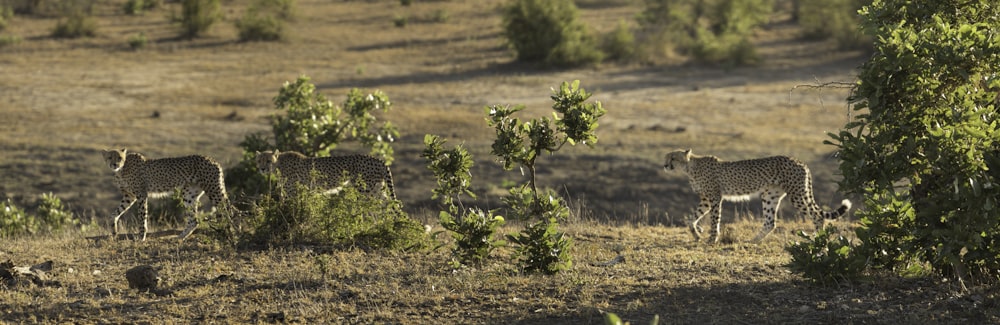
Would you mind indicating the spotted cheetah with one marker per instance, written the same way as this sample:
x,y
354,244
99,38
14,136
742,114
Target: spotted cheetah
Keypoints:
x,y
138,178
296,168
772,178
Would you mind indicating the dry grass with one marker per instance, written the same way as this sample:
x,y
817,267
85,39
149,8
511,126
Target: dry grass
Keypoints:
x,y
63,100
664,274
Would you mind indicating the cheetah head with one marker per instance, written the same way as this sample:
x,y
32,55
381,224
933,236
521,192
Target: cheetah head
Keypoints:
x,y
115,158
266,161
677,159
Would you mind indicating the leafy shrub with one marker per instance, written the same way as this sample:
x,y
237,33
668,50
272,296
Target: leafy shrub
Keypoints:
x,y
709,31
197,16
548,31
265,20
137,41
923,150
541,247
825,259
51,217
13,220
837,19
473,231
344,219
75,25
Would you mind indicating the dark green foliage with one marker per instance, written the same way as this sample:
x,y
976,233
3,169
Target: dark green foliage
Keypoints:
x,y
825,258
924,149
549,31
709,31
264,20
197,16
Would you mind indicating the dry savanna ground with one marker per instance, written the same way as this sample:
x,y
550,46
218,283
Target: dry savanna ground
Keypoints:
x,y
61,101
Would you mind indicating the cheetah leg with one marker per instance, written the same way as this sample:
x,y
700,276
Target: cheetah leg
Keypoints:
x,y
771,199
126,203
716,213
192,195
144,212
704,207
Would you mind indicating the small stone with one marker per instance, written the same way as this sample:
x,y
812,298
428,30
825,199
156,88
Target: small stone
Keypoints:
x,y
142,277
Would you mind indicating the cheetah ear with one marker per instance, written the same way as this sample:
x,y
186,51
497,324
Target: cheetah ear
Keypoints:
x,y
687,152
124,151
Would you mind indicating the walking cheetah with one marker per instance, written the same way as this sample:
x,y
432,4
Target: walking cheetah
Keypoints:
x,y
138,178
772,178
296,168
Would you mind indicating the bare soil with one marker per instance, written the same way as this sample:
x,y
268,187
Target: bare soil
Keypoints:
x,y
61,101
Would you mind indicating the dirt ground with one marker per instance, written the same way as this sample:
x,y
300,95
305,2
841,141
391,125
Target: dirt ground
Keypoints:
x,y
64,100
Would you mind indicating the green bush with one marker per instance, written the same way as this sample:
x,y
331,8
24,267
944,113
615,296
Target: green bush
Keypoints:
x,y
51,217
708,31
825,259
548,31
197,16
137,41
541,247
265,20
836,19
924,148
75,25
348,218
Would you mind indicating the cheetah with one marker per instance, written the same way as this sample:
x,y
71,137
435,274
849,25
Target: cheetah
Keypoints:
x,y
772,178
296,168
138,178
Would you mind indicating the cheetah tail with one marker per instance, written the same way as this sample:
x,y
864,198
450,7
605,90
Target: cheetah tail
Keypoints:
x,y
842,210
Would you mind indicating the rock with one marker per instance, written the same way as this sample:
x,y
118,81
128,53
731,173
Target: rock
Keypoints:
x,y
142,277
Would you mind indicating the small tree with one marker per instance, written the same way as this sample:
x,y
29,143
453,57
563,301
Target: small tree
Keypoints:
x,y
472,229
541,247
